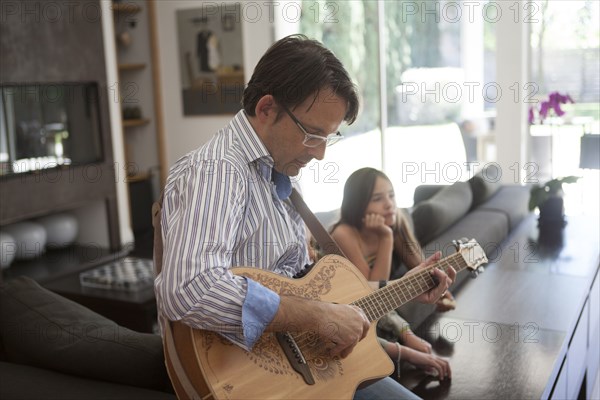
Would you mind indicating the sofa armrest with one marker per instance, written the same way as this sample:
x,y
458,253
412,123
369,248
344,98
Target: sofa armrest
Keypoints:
x,y
42,329
27,382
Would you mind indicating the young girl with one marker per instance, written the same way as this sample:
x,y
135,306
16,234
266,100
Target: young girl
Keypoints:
x,y
374,234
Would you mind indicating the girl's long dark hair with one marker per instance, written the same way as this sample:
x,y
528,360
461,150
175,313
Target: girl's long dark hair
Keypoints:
x,y
357,194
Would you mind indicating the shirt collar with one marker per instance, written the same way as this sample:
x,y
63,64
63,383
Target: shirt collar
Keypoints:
x,y
251,146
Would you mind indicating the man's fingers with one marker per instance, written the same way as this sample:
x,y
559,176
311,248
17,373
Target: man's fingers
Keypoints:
x,y
342,350
341,342
451,273
433,258
366,322
445,277
346,352
443,284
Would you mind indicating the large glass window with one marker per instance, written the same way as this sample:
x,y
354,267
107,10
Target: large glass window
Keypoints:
x,y
433,123
425,83
565,59
349,29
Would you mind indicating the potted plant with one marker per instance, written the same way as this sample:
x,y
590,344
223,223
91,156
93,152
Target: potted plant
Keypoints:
x,y
548,198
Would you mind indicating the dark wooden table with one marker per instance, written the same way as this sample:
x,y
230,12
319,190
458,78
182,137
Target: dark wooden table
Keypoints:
x,y
57,263
133,309
58,271
514,325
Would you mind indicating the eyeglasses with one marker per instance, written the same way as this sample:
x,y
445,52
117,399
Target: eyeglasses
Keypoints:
x,y
311,140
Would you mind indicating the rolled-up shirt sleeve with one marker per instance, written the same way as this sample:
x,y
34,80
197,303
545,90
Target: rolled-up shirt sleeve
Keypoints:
x,y
202,212
258,311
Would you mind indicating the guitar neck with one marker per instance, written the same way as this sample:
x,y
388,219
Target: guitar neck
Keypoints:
x,y
399,292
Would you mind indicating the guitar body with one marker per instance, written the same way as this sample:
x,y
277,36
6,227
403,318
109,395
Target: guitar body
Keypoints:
x,y
219,369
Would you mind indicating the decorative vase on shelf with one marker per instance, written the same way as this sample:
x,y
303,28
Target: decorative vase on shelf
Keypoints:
x,y
8,249
30,238
61,229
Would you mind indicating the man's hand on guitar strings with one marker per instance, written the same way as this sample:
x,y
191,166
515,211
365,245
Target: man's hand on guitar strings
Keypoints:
x,y
443,280
346,326
328,328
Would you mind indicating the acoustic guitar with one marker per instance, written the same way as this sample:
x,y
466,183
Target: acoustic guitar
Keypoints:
x,y
294,366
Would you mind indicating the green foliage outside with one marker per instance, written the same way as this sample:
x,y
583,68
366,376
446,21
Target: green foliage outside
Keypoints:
x,y
354,39
540,193
350,30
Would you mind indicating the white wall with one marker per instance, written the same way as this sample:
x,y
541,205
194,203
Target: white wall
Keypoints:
x,y
137,88
183,134
116,129
512,74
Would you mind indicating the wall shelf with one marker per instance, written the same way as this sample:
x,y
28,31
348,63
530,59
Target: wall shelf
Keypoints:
x,y
131,67
126,8
138,177
137,61
129,123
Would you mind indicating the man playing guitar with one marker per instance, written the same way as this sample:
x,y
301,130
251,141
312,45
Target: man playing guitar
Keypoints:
x,y
225,205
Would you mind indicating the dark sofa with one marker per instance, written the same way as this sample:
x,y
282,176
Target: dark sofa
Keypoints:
x,y
53,348
481,208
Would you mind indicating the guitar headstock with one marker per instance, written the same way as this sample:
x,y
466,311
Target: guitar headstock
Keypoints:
x,y
473,255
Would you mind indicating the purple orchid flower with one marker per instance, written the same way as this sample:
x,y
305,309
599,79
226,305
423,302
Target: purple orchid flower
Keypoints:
x,y
555,99
544,107
531,116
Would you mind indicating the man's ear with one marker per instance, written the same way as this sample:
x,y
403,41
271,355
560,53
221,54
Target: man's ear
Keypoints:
x,y
266,109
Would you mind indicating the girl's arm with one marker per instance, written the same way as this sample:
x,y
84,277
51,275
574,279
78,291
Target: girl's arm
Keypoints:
x,y
348,239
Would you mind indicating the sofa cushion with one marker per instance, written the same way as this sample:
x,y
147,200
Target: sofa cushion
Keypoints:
x,y
45,330
425,192
434,216
485,184
26,382
512,201
488,227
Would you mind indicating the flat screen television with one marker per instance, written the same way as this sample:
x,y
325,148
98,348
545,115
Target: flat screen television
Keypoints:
x,y
49,125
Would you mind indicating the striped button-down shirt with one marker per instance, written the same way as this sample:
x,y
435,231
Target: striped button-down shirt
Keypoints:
x,y
220,210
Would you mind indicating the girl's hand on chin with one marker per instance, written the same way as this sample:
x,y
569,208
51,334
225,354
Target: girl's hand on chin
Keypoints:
x,y
376,223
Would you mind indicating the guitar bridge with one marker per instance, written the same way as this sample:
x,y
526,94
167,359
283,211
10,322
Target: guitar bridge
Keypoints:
x,y
294,356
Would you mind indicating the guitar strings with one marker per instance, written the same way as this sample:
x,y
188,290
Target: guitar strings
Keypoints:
x,y
399,288
411,284
309,342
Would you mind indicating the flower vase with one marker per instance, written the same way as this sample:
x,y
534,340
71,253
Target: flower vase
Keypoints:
x,y
552,220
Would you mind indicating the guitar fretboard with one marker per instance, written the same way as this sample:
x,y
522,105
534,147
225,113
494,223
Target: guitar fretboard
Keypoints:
x,y
380,302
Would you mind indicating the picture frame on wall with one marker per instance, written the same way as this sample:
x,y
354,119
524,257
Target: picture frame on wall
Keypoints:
x,y
210,52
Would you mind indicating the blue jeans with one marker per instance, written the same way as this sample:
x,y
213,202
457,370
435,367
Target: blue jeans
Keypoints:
x,y
385,389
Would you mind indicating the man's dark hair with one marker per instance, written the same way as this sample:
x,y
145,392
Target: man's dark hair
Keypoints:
x,y
295,68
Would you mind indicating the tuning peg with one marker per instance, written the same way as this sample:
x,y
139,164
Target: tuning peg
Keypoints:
x,y
474,273
480,269
458,244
